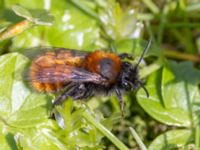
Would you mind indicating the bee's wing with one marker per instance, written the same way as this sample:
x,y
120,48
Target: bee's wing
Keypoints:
x,y
52,65
63,74
54,68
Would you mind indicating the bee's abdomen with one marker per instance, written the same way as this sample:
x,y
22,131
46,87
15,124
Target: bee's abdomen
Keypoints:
x,y
45,71
41,81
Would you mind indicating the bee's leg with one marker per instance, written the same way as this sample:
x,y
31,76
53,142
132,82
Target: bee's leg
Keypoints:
x,y
77,92
88,91
60,99
125,55
121,101
83,91
67,92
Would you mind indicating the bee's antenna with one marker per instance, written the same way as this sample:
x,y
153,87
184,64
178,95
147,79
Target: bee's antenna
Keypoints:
x,y
144,52
144,88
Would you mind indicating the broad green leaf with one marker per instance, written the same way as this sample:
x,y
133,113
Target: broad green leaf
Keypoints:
x,y
7,141
71,29
180,85
174,95
118,24
37,16
19,106
41,137
171,140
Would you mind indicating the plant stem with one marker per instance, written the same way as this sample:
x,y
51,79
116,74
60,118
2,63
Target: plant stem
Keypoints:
x,y
182,56
182,24
194,7
105,131
84,8
197,135
137,139
151,6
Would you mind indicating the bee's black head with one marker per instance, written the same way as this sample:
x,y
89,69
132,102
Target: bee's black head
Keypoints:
x,y
129,78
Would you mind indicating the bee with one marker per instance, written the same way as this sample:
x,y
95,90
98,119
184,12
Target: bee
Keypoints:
x,y
81,75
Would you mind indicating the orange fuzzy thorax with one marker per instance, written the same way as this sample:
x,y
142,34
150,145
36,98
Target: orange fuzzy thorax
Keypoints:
x,y
92,63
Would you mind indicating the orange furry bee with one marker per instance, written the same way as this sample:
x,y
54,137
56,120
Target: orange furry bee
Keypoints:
x,y
81,74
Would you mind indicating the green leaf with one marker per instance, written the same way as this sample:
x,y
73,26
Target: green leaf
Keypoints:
x,y
42,17
119,24
105,131
19,106
131,46
72,29
41,137
38,16
20,11
171,140
174,95
76,132
7,141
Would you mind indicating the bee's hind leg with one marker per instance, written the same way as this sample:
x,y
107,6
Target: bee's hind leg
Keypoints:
x,y
63,96
77,92
60,99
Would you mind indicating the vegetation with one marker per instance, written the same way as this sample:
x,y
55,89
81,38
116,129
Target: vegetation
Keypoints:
x,y
168,119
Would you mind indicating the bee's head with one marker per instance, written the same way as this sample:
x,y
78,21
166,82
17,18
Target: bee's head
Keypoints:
x,y
129,78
